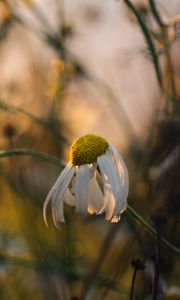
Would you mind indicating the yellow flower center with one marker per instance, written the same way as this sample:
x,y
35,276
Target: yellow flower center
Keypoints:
x,y
87,148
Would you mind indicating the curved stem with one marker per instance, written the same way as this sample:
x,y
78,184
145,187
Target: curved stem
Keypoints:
x,y
150,229
148,39
33,153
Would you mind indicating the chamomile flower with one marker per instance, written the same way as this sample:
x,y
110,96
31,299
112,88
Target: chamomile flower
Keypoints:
x,y
94,181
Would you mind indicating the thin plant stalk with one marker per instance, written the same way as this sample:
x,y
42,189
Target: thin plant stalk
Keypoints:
x,y
151,230
33,153
147,34
131,297
156,13
157,262
163,28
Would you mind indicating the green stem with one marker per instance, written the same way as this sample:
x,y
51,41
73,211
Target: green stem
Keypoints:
x,y
41,121
151,230
157,262
163,29
131,297
149,39
5,106
57,162
156,14
37,154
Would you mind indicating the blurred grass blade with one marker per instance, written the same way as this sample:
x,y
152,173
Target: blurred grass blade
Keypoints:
x,y
149,40
156,13
60,268
41,121
151,230
5,106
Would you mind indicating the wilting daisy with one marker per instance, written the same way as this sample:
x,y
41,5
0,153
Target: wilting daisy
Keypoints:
x,y
95,180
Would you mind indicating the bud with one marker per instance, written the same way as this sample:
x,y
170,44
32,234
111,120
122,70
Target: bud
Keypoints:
x,y
9,131
138,264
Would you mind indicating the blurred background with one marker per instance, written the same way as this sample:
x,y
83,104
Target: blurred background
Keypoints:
x,y
68,68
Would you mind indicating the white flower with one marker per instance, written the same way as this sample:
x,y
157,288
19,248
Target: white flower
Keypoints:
x,y
94,164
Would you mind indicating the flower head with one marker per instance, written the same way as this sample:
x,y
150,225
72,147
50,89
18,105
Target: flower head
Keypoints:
x,y
93,164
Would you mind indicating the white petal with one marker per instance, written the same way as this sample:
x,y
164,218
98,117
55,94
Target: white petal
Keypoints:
x,y
82,189
110,206
123,175
58,197
96,200
92,169
109,198
54,188
71,186
62,174
116,219
58,213
111,171
69,198
123,171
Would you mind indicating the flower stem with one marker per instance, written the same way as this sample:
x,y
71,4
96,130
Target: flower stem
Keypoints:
x,y
137,265
147,35
131,297
150,229
157,262
156,14
33,153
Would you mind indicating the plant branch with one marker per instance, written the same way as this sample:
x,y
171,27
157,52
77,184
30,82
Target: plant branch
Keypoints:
x,y
33,153
148,38
41,121
151,230
156,13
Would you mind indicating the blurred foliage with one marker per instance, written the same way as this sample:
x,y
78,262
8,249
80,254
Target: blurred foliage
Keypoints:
x,y
88,258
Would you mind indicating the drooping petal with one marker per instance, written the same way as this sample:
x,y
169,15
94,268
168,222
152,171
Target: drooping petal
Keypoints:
x,y
92,169
123,177
82,189
110,184
69,198
72,184
110,206
58,213
123,171
96,200
114,179
58,197
62,174
55,187
116,219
